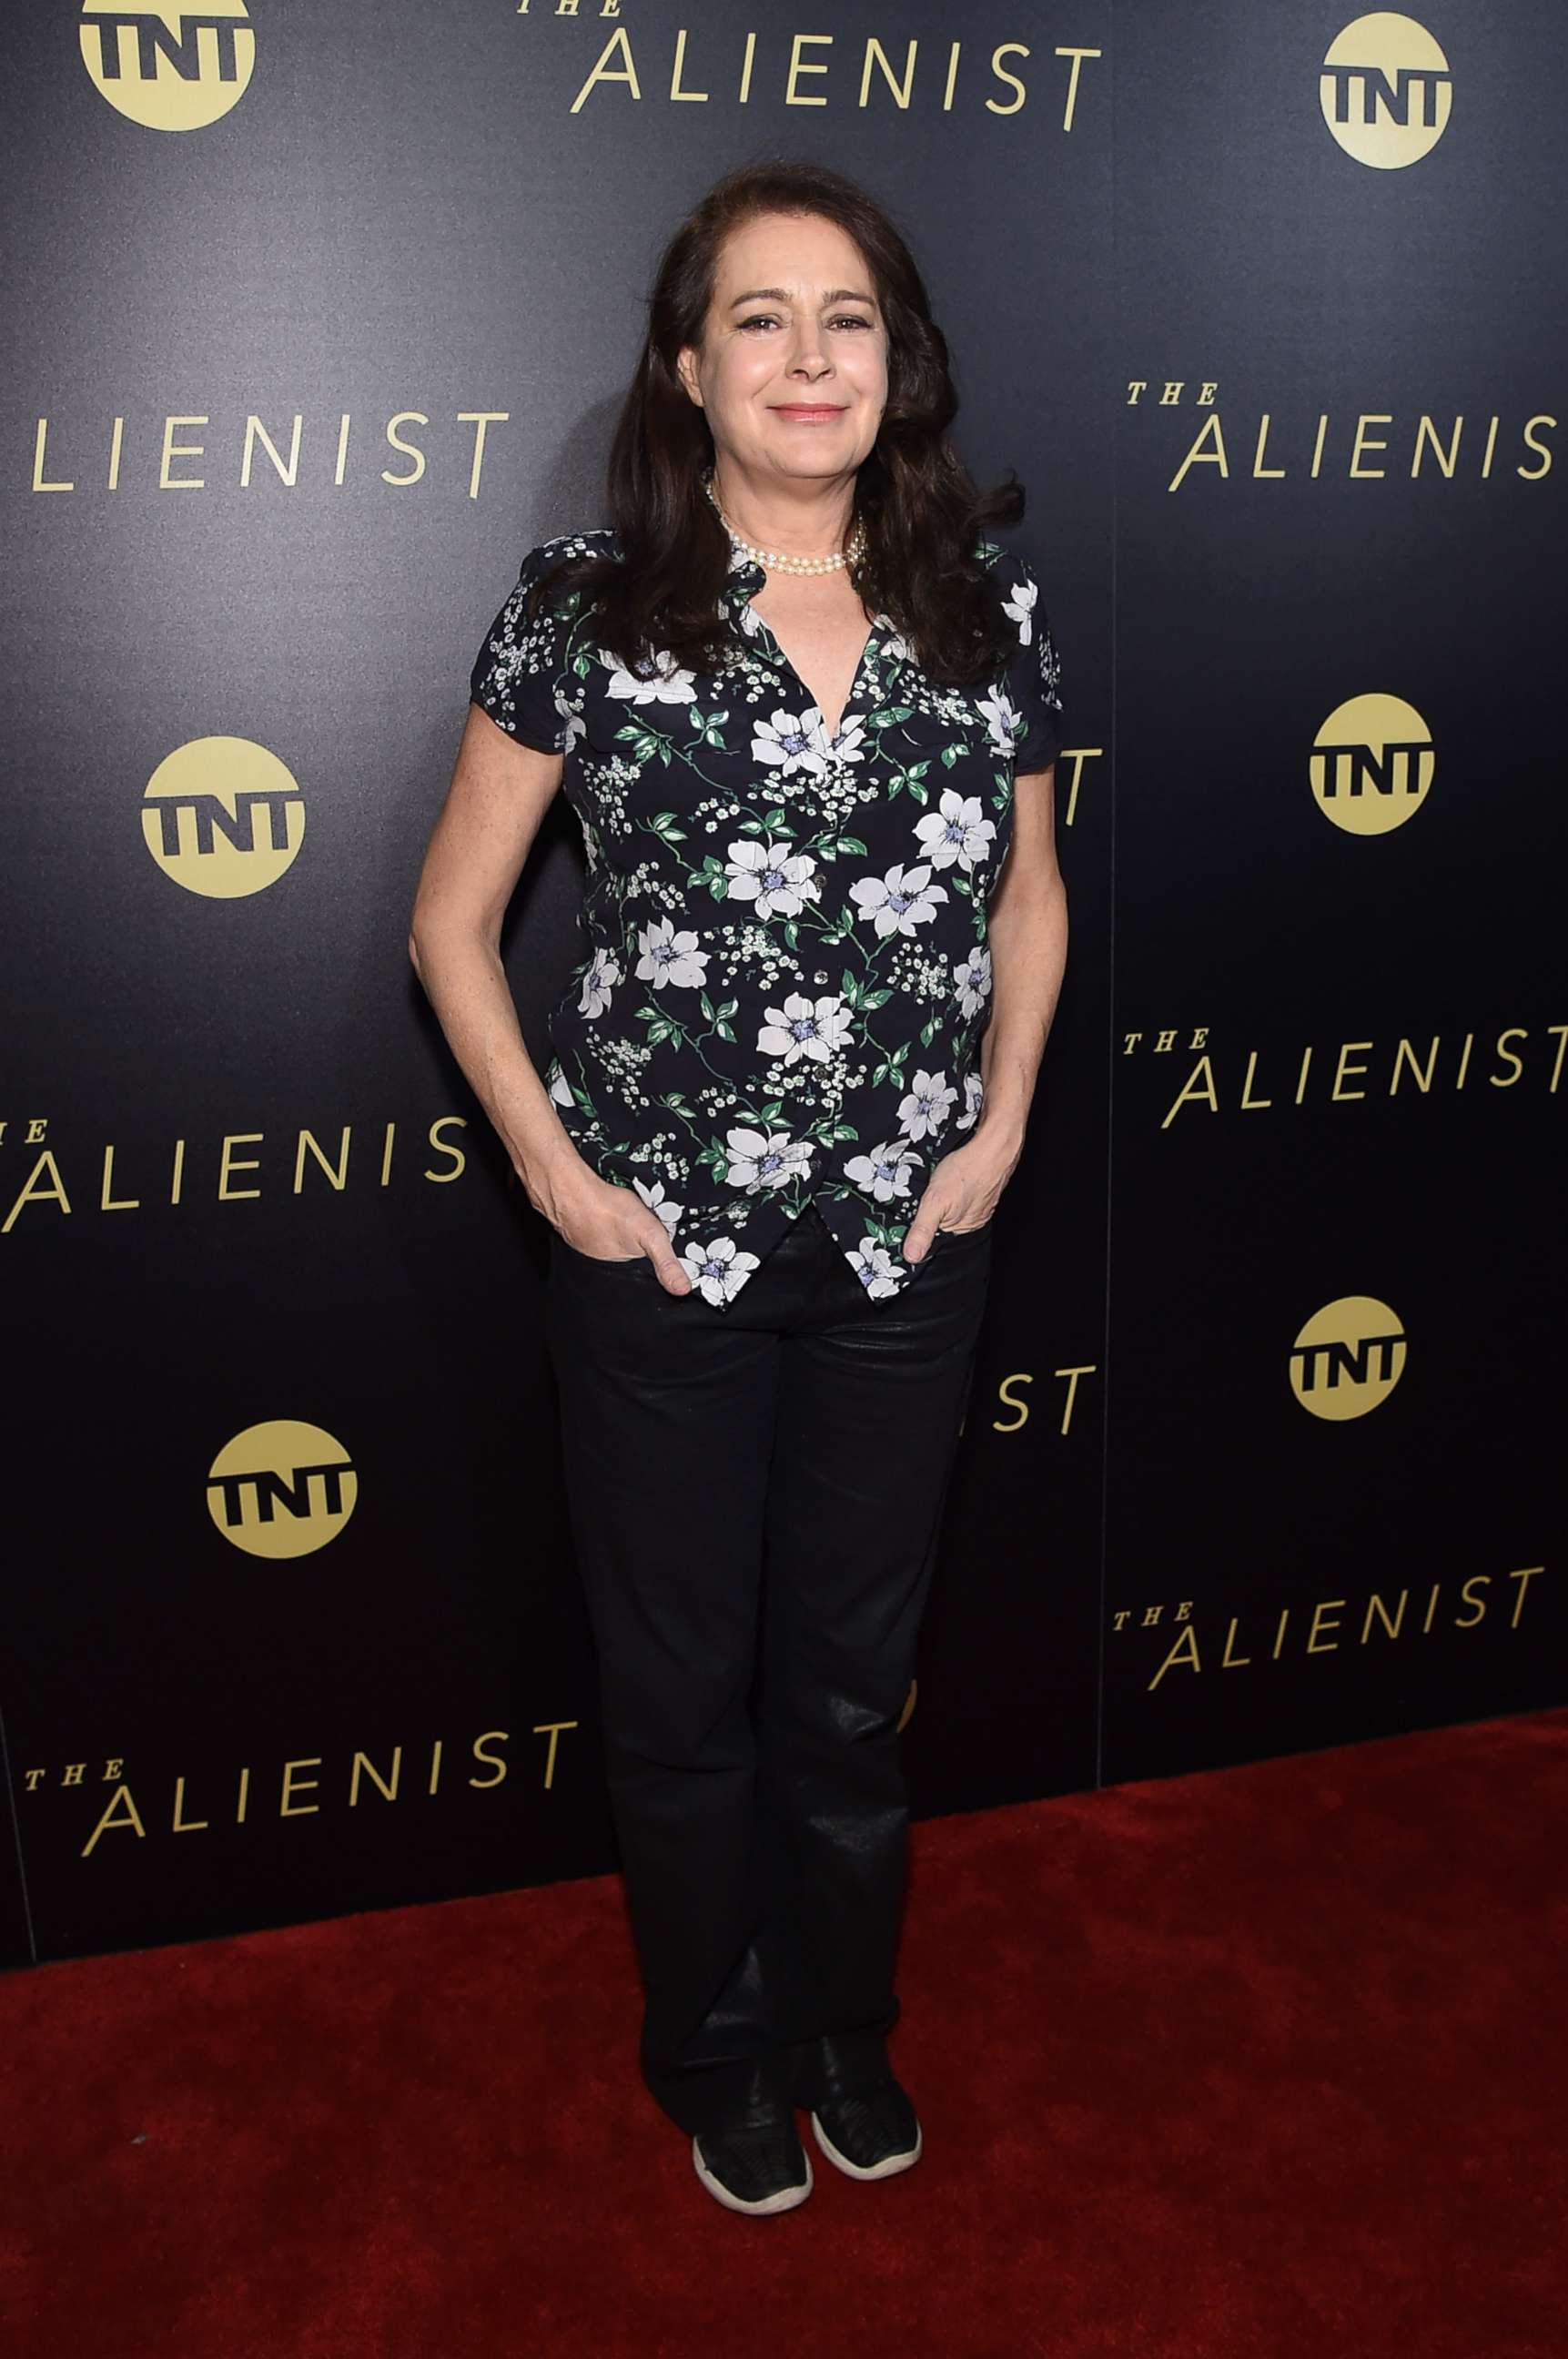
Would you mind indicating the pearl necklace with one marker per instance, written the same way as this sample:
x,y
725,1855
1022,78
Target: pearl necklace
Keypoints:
x,y
775,560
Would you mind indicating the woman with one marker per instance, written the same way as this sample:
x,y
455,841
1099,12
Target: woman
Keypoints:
x,y
807,715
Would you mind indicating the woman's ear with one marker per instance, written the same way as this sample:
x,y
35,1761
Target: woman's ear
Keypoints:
x,y
686,368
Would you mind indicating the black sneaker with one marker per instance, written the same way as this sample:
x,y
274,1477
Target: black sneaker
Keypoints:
x,y
760,2170
872,2134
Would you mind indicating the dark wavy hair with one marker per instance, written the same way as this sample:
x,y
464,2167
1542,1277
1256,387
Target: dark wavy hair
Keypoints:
x,y
922,511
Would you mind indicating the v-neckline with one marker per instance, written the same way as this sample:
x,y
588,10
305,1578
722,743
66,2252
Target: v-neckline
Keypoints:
x,y
813,704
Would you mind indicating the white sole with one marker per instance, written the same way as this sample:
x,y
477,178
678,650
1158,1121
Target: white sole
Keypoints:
x,y
784,2200
885,2170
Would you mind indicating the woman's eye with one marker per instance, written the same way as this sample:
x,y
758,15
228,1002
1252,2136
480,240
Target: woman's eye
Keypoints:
x,y
844,319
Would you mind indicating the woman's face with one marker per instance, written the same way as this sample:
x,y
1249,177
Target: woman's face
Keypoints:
x,y
794,378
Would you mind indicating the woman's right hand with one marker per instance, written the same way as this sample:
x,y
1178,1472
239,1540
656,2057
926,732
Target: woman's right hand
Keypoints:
x,y
609,1224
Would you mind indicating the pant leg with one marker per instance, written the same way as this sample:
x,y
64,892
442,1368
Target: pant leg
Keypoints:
x,y
667,1416
871,1400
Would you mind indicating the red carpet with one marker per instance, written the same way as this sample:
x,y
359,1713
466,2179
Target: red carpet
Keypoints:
x,y
1268,2062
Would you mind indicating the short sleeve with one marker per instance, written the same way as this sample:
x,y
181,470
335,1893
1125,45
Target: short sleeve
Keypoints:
x,y
519,674
1034,673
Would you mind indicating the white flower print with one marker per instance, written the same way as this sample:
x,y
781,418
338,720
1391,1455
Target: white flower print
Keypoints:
x,y
957,829
1018,607
658,1202
880,1272
898,900
886,1172
974,1099
657,679
719,1269
560,1087
847,746
972,982
792,743
598,983
779,880
575,724
925,1109
1001,716
670,957
805,1027
766,1159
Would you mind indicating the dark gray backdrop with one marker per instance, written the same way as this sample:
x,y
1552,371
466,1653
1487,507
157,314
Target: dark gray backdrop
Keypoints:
x,y
1142,236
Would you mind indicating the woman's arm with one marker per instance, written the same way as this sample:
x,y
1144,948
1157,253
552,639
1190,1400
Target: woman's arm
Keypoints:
x,y
499,793
1028,926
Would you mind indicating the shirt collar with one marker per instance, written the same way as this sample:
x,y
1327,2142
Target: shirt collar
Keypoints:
x,y
745,579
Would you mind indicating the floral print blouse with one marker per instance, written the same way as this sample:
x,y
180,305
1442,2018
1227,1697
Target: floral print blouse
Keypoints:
x,y
786,971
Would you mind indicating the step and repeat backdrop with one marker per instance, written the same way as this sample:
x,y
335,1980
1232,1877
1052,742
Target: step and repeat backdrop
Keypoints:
x,y
319,317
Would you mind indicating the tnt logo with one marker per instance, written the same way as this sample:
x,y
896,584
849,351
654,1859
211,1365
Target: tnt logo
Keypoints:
x,y
223,817
281,1489
1371,763
1347,1358
169,68
1386,91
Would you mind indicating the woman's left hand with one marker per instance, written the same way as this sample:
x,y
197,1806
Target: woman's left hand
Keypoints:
x,y
963,1192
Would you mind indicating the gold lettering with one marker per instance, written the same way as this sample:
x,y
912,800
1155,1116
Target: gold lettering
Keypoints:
x,y
183,1826
1363,441
389,1793
292,1785
1324,1604
1207,450
1198,1088
39,444
700,96
1073,1375
1259,470
338,1176
1184,1652
1008,49
1341,1068
1427,433
495,1735
1376,1605
550,1728
1075,57
875,53
409,450
46,1170
228,1163
800,65
617,45
256,433
119,1811
1476,1579
111,1203
1533,474
173,450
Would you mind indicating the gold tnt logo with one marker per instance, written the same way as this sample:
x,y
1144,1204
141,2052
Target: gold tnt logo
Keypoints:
x,y
1371,763
169,68
1386,91
1347,1358
223,817
281,1489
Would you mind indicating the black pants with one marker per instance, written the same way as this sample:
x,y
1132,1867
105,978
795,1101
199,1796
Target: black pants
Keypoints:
x,y
756,1496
